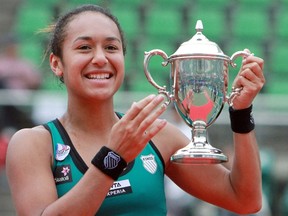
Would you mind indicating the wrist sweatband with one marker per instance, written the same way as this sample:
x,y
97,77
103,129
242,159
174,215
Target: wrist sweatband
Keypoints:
x,y
241,120
109,162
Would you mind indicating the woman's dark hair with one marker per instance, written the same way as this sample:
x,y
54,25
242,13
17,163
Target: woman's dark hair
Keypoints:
x,y
58,31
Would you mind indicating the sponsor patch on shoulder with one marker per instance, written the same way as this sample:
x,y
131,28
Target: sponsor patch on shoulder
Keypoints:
x,y
62,174
62,152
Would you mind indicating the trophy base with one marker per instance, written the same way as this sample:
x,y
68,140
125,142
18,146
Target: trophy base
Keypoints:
x,y
199,155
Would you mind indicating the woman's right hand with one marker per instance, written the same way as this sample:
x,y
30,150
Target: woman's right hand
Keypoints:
x,y
131,134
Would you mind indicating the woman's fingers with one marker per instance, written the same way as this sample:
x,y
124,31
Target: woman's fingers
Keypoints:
x,y
136,107
138,126
149,106
251,79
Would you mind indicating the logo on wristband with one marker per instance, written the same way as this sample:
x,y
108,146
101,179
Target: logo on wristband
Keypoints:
x,y
251,118
111,160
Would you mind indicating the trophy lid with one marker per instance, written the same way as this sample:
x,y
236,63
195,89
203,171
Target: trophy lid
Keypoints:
x,y
198,47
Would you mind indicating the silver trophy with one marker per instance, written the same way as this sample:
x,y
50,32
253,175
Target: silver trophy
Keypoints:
x,y
199,83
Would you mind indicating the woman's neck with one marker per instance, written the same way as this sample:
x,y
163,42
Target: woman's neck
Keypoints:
x,y
91,116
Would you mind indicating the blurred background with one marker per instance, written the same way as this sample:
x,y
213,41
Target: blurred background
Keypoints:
x,y
33,95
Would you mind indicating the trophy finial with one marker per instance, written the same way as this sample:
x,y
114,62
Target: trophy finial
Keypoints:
x,y
199,26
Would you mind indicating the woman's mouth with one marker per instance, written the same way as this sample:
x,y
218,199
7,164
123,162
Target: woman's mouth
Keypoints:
x,y
99,76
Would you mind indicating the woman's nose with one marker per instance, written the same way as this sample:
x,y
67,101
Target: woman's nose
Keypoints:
x,y
99,58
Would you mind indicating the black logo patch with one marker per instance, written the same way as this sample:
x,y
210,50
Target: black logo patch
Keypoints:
x,y
62,174
120,188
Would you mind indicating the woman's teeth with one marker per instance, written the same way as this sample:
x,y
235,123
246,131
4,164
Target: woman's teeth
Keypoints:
x,y
98,76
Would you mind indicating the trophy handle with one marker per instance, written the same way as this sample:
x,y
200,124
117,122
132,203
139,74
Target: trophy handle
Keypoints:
x,y
236,91
161,89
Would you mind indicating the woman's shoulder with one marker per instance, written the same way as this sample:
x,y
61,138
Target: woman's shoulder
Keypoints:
x,y
38,132
29,155
30,140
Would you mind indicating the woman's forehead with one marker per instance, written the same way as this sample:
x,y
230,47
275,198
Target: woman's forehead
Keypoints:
x,y
92,21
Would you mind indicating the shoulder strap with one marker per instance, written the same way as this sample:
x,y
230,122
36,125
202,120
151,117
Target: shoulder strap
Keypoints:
x,y
55,135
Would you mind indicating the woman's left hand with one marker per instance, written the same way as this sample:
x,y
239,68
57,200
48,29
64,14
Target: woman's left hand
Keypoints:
x,y
251,79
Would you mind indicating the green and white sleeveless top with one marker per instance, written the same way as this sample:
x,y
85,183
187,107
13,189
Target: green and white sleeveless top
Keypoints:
x,y
138,191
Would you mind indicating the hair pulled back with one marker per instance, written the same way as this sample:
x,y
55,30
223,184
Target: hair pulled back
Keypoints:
x,y
58,31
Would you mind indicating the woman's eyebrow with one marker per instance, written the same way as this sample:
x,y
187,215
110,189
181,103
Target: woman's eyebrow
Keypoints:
x,y
113,39
88,38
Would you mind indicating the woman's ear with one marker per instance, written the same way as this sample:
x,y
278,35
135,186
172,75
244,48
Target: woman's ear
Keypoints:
x,y
56,65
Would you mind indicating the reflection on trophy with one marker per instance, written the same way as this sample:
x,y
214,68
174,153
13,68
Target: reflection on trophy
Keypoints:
x,y
199,83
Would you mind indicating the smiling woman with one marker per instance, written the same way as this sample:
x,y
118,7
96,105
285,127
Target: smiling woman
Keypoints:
x,y
93,160
96,56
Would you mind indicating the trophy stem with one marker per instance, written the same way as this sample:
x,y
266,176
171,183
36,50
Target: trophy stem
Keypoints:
x,y
199,151
199,134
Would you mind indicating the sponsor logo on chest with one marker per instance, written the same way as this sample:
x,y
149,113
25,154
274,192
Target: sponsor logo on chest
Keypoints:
x,y
149,163
120,188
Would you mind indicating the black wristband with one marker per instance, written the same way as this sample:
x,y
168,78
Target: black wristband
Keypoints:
x,y
109,162
241,120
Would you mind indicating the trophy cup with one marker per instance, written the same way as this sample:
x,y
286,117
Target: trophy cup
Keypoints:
x,y
199,83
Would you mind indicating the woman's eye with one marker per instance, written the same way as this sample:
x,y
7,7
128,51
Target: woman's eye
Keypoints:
x,y
112,48
84,47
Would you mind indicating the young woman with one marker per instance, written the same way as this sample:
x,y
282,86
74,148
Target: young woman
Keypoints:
x,y
95,161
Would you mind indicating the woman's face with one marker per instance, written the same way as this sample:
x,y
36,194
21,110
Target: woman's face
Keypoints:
x,y
93,60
